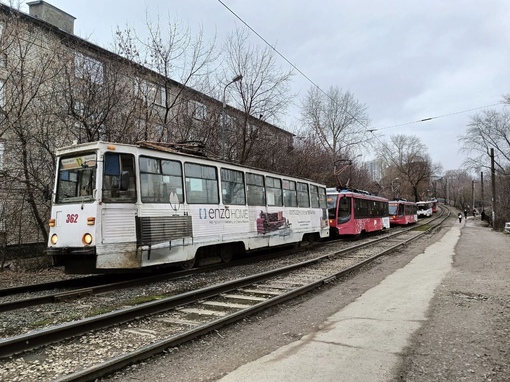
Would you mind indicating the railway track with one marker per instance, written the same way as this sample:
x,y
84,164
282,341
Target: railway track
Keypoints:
x,y
66,290
138,332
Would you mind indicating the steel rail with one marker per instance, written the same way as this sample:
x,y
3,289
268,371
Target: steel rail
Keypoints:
x,y
145,352
23,342
89,285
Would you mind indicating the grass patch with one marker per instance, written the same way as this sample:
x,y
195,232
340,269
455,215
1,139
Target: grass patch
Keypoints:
x,y
143,299
422,228
37,324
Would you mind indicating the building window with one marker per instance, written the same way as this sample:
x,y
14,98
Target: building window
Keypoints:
x,y
2,149
79,108
150,92
2,93
197,110
89,69
161,98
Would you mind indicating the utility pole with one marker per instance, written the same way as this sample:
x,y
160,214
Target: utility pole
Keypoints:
x,y
481,185
447,192
493,173
473,193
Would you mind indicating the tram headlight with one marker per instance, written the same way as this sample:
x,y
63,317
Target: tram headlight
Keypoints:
x,y
87,239
54,239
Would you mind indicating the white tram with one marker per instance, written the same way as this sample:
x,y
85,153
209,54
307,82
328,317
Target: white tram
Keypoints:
x,y
424,209
120,207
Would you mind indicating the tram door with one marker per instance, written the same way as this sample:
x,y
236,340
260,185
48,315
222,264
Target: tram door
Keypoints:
x,y
118,215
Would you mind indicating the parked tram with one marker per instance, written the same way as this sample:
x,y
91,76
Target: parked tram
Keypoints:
x,y
402,212
127,207
353,213
424,209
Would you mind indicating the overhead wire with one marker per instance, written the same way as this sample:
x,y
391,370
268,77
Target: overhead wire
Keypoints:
x,y
370,130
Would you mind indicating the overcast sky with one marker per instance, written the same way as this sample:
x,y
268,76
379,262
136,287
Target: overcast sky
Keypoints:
x,y
405,60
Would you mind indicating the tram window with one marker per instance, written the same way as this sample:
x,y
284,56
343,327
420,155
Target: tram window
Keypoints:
x,y
201,184
322,198
161,181
331,200
232,187
361,208
255,190
314,196
302,195
289,193
344,210
274,191
119,183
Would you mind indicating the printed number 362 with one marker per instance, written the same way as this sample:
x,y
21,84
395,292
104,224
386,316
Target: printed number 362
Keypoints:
x,y
72,218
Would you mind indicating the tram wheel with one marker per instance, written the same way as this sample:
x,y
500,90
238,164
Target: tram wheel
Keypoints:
x,y
226,253
186,265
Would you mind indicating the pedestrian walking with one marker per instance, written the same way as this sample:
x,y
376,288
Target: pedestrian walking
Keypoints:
x,y
465,213
460,217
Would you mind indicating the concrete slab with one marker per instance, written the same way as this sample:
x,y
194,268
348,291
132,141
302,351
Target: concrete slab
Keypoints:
x,y
363,341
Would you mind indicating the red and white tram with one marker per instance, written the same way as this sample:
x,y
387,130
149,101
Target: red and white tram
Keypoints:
x,y
119,207
402,212
353,213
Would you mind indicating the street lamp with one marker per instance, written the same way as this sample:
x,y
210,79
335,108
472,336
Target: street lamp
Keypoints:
x,y
239,77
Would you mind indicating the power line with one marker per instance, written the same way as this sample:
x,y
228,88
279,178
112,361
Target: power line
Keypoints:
x,y
436,117
285,58
370,130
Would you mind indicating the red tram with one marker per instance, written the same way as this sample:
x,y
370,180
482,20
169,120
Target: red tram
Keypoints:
x,y
402,212
353,213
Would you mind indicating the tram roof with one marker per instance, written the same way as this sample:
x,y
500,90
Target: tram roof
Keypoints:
x,y
167,149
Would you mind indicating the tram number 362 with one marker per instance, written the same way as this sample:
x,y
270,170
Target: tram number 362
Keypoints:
x,y
72,218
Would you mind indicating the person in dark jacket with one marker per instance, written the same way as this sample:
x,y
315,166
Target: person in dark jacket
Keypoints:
x,y
460,217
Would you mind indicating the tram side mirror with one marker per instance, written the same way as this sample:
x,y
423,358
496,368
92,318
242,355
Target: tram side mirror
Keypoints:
x,y
47,192
124,181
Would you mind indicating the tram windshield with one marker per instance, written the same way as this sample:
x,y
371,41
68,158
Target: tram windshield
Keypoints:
x,y
344,208
331,199
76,179
392,209
423,206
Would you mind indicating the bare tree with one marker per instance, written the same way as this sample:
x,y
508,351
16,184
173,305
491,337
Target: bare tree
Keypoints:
x,y
486,130
459,188
337,119
99,100
263,93
173,53
29,59
406,157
